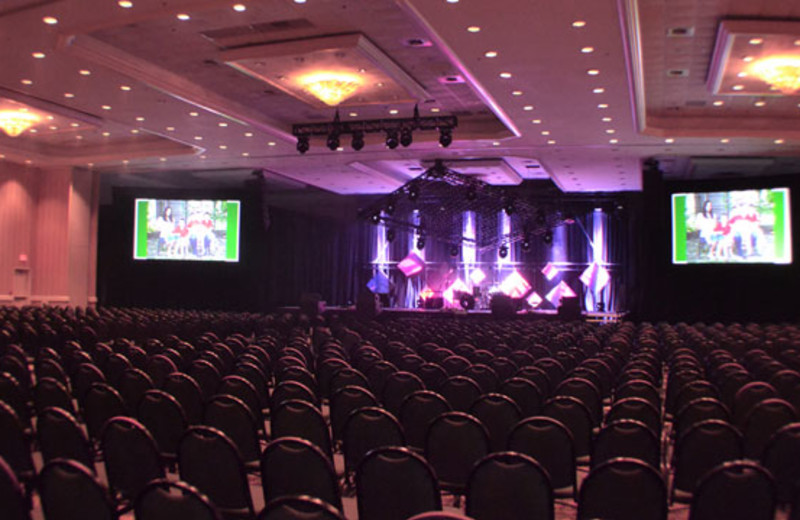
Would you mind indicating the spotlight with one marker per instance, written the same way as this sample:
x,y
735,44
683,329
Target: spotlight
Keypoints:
x,y
333,141
453,250
421,242
302,144
503,251
390,235
390,207
405,137
508,207
413,192
358,140
472,193
445,137
391,139
526,243
376,218
548,237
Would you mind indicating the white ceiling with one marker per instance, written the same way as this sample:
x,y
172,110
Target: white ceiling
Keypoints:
x,y
186,110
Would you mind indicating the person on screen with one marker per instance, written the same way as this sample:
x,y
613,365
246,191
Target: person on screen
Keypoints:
x,y
706,223
165,225
747,231
200,234
723,239
181,243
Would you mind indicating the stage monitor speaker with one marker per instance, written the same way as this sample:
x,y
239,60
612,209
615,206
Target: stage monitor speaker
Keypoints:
x,y
570,309
434,302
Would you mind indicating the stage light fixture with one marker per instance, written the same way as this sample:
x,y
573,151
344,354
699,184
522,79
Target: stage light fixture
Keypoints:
x,y
391,139
358,140
503,251
547,238
390,234
526,243
390,207
413,192
445,137
333,141
508,207
453,250
421,242
405,137
303,144
376,218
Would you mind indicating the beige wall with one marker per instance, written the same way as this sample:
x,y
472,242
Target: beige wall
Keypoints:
x,y
48,235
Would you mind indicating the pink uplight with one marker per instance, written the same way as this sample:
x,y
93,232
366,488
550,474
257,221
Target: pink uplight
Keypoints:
x,y
515,285
411,265
477,276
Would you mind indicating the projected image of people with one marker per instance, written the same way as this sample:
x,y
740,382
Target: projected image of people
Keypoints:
x,y
749,226
187,229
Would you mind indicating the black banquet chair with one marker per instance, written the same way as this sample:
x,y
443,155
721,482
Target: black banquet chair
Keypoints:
x,y
166,500
454,443
509,486
626,438
735,490
61,437
780,458
13,503
499,414
368,428
623,489
298,418
164,418
394,483
549,443
417,412
299,507
68,490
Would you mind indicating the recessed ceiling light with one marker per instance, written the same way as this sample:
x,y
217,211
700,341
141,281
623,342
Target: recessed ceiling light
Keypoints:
x,y
193,114
85,72
245,154
718,103
587,50
756,41
134,131
140,118
170,129
496,143
50,20
248,134
198,138
579,23
724,141
527,108
669,140
53,127
505,75
38,55
26,82
106,134
778,141
239,8
741,75
760,103
299,1
33,131
222,124
473,29
162,159
394,111
353,114
127,4
593,72
602,105
223,147
606,119
545,132
126,88
203,157
610,131
613,141
106,107
436,110
537,121
551,141
183,17
69,95
748,59
125,161
599,90
452,1
271,143
516,93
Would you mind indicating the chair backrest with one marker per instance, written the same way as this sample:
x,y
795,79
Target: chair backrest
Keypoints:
x,y
234,418
417,412
454,443
51,392
14,395
460,391
210,461
394,483
12,495
185,389
525,393
397,387
509,486
432,375
780,458
344,401
643,388
484,375
61,437
294,466
623,489
573,414
131,456
347,376
761,423
14,447
637,409
735,490
748,396
297,418
163,499
68,490
86,374
299,506
100,403
368,428
703,447
550,443
159,367
241,388
626,438
499,414
698,410
537,376
206,375
165,419
286,390
586,392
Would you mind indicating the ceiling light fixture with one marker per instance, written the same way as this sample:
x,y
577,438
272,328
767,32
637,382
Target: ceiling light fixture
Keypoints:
x,y
239,8
50,20
125,4
587,50
782,72
474,29
490,54
505,75
26,82
578,24
330,87
183,17
38,55
14,122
